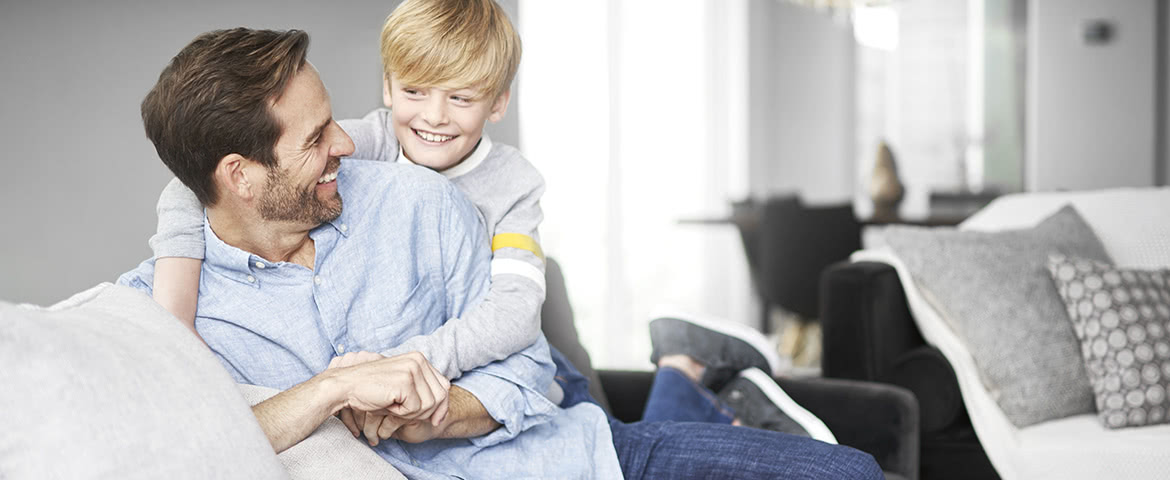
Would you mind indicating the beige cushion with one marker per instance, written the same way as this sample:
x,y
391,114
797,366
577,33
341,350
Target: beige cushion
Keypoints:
x,y
109,385
330,452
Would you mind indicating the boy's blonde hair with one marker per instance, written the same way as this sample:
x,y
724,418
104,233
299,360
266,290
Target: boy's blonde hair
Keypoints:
x,y
451,44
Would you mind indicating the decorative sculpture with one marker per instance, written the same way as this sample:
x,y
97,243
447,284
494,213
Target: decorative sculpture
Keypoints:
x,y
884,187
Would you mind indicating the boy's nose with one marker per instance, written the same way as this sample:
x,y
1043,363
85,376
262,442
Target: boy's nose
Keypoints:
x,y
435,112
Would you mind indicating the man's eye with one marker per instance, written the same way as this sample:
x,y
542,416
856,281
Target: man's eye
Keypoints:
x,y
460,99
410,91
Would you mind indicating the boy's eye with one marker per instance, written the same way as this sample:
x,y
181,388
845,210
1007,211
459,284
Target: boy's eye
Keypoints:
x,y
411,91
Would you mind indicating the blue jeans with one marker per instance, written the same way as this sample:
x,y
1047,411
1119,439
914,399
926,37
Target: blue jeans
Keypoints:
x,y
676,440
674,397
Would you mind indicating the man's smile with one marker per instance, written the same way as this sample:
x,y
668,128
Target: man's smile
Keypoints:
x,y
328,177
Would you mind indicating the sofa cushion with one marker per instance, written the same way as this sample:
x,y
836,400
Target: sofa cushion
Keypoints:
x,y
1134,232
1122,318
994,292
108,384
330,452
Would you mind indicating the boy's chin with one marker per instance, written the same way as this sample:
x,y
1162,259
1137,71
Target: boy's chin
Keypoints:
x,y
434,162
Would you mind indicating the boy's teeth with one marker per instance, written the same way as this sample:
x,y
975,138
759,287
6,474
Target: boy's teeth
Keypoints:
x,y
433,137
328,177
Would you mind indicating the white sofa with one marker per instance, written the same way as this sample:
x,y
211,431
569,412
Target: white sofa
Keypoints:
x,y
107,384
1134,227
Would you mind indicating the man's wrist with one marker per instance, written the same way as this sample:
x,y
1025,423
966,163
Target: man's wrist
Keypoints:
x,y
334,387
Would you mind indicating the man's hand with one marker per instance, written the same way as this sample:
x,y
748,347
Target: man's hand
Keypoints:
x,y
353,420
372,404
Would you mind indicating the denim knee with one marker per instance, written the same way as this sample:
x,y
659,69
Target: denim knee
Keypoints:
x,y
862,465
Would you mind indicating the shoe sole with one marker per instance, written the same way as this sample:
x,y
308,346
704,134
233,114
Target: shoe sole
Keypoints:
x,y
811,424
747,334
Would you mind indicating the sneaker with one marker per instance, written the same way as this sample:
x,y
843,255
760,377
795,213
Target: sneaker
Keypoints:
x,y
760,403
725,348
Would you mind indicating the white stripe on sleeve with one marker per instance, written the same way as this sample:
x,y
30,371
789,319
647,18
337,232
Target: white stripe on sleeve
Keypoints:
x,y
511,266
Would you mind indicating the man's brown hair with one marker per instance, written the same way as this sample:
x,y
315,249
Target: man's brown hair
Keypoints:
x,y
214,99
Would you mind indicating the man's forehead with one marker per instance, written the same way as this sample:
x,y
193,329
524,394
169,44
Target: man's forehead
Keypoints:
x,y
305,102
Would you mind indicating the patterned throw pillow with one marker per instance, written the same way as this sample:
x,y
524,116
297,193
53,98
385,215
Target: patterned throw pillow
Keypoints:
x,y
1122,318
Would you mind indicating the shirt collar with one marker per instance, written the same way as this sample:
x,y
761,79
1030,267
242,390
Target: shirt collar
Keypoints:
x,y
242,266
231,261
477,157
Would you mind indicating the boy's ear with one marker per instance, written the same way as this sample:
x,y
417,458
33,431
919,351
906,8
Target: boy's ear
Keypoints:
x,y
500,106
231,177
386,91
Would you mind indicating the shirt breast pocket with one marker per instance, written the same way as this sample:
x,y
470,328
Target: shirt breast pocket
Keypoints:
x,y
418,312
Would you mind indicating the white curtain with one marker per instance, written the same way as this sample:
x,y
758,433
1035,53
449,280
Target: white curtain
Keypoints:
x,y
635,111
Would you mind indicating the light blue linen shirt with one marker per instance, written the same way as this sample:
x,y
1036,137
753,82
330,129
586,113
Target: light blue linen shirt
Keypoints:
x,y
407,253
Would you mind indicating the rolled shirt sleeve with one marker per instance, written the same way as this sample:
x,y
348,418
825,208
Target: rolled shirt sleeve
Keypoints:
x,y
509,391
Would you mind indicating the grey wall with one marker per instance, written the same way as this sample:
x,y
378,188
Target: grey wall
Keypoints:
x,y
81,179
801,103
1091,107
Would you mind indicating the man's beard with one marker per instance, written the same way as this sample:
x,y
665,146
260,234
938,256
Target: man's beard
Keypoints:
x,y
284,201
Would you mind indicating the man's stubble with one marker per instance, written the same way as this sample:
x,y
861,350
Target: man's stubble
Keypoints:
x,y
284,201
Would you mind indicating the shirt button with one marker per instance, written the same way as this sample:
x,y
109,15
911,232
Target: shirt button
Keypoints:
x,y
340,348
317,279
344,227
251,279
260,265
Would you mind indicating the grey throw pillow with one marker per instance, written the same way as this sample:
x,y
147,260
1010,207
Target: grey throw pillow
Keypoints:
x,y
994,291
109,385
1122,318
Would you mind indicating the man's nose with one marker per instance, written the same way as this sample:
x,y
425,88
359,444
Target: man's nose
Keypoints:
x,y
343,146
435,110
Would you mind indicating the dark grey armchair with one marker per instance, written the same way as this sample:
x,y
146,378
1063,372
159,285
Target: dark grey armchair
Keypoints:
x,y
881,420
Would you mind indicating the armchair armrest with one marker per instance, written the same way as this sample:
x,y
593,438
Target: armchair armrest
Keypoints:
x,y
881,420
866,323
627,391
869,334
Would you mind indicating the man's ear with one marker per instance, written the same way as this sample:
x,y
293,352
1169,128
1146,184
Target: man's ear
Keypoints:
x,y
500,106
386,91
231,177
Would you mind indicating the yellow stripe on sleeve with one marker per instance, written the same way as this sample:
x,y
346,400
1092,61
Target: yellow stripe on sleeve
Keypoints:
x,y
517,240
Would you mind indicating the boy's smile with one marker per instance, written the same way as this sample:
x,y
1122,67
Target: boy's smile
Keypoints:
x,y
439,127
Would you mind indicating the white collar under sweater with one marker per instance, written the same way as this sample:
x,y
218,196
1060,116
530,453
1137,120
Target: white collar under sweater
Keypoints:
x,y
476,158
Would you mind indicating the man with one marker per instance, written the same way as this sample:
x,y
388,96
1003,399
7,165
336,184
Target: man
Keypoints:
x,y
292,280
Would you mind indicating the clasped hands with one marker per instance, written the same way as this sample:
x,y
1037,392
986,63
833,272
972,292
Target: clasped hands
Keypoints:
x,y
402,397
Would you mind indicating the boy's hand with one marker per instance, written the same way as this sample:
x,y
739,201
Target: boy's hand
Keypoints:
x,y
412,432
